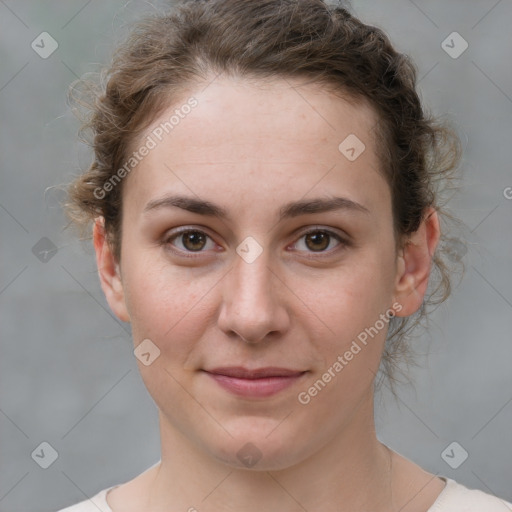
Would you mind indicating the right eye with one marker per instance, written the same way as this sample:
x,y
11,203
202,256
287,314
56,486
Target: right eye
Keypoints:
x,y
191,241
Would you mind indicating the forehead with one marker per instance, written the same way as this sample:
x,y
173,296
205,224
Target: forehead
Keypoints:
x,y
253,110
258,137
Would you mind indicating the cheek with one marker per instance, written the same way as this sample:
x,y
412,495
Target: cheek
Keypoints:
x,y
163,301
353,296
351,350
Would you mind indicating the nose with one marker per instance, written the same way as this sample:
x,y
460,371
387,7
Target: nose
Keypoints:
x,y
253,306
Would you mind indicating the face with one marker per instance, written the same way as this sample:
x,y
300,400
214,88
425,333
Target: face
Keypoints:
x,y
255,278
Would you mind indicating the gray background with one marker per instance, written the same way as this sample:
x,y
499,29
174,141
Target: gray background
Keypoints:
x,y
68,375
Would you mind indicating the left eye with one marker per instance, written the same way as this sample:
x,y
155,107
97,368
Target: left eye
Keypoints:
x,y
318,240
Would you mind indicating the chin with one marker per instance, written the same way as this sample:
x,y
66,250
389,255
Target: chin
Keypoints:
x,y
259,444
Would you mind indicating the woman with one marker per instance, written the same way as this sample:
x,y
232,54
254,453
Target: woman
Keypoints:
x,y
266,216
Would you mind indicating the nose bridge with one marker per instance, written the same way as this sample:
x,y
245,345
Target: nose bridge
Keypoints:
x,y
252,279
251,306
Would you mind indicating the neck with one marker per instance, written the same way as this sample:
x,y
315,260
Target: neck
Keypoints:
x,y
338,476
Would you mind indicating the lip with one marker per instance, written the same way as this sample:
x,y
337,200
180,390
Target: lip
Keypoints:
x,y
258,383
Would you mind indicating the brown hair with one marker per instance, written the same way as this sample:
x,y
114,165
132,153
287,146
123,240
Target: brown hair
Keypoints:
x,y
276,39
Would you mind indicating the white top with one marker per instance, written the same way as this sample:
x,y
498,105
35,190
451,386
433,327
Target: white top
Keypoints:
x,y
454,497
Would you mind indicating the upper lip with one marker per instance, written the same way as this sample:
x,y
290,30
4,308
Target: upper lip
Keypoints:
x,y
243,373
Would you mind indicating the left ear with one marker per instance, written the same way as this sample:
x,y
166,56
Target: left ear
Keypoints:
x,y
414,263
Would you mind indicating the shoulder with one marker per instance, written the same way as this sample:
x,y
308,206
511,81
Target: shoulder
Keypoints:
x,y
98,503
456,497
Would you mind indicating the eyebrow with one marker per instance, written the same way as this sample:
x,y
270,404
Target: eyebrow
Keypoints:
x,y
289,210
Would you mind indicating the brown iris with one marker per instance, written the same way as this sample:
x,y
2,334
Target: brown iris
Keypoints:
x,y
319,239
193,240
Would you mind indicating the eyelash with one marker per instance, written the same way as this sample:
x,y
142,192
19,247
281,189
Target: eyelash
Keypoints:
x,y
190,254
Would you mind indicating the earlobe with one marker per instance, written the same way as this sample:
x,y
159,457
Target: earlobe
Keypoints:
x,y
109,272
414,264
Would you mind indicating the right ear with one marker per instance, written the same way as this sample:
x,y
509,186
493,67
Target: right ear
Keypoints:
x,y
109,272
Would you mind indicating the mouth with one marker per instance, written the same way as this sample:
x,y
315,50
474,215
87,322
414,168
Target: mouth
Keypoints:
x,y
258,383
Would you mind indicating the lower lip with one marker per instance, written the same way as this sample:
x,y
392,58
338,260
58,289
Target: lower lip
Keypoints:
x,y
259,388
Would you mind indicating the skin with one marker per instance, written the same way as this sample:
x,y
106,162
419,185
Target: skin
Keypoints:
x,y
251,148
